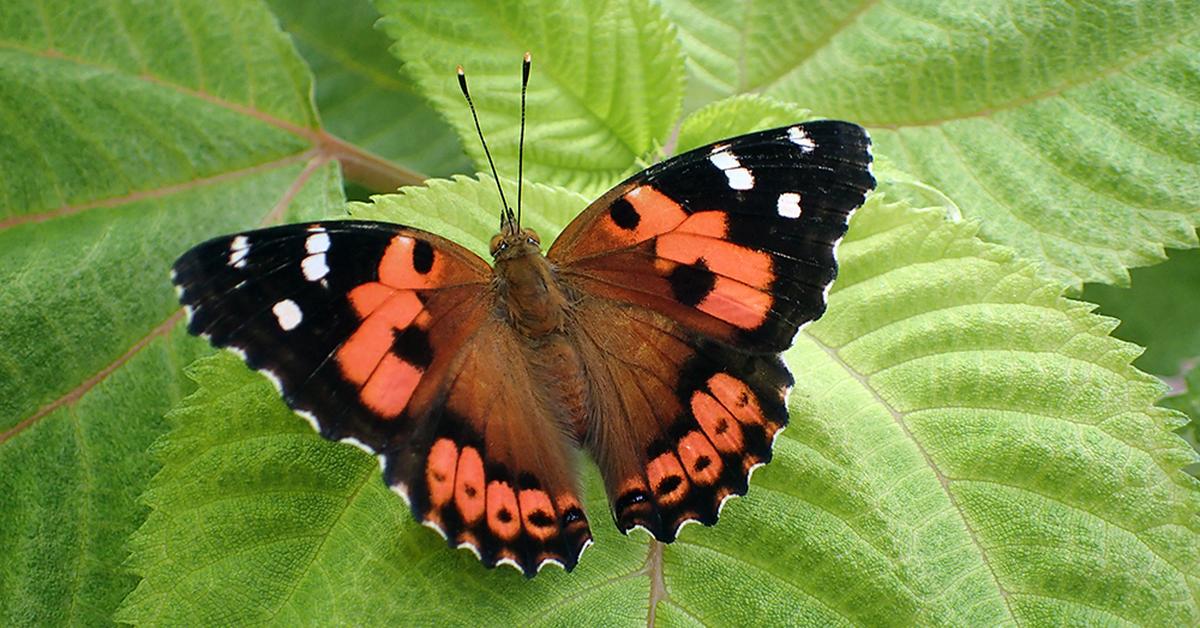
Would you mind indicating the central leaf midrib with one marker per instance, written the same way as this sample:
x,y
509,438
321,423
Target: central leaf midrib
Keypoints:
x,y
295,128
303,573
942,479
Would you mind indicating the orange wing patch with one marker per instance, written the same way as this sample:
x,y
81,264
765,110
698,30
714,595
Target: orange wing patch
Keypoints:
x,y
369,356
469,485
635,216
502,510
439,473
668,479
718,424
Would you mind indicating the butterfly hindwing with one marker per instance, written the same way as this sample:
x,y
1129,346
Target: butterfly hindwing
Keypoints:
x,y
735,240
684,420
489,468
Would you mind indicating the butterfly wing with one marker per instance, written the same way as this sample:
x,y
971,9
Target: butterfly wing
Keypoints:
x,y
385,337
682,420
489,469
735,240
711,261
348,318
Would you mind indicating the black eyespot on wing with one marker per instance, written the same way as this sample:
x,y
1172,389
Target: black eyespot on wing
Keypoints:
x,y
412,345
668,484
624,214
690,283
572,515
422,256
540,519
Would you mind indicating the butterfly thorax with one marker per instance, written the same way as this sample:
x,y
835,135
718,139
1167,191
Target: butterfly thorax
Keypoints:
x,y
528,291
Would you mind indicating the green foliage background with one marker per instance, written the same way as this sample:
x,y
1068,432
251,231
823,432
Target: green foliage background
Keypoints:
x,y
968,445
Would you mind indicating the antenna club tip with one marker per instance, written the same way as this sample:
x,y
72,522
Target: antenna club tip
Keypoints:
x,y
460,71
528,57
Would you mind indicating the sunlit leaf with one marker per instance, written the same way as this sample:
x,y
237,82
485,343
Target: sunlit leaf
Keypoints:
x,y
1070,129
362,95
605,89
127,134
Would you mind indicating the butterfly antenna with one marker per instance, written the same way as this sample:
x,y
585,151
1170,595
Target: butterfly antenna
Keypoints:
x,y
521,145
506,214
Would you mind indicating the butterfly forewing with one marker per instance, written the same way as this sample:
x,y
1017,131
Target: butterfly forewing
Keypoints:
x,y
734,239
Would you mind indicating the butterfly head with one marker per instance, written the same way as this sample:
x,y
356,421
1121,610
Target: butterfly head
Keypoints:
x,y
513,242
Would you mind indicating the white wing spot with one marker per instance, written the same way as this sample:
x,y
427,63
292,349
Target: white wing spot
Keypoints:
x,y
724,160
288,313
788,205
314,267
740,179
801,139
317,243
239,248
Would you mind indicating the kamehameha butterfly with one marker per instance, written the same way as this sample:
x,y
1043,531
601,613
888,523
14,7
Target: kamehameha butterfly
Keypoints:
x,y
648,335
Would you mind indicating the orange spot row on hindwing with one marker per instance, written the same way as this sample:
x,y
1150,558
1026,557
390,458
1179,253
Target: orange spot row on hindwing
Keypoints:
x,y
723,414
737,397
502,512
702,462
667,478
537,513
440,471
468,485
456,476
718,424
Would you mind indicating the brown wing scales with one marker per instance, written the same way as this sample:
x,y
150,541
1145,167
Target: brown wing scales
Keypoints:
x,y
488,468
680,422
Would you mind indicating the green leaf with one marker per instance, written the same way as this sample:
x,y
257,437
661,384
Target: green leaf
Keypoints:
x,y
605,88
361,97
736,116
967,447
744,46
1158,312
1069,129
129,133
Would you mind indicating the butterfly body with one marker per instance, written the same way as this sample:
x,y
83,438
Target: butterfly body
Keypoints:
x,y
532,295
648,336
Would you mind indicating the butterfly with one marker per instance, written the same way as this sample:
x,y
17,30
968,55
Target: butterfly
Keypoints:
x,y
648,335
